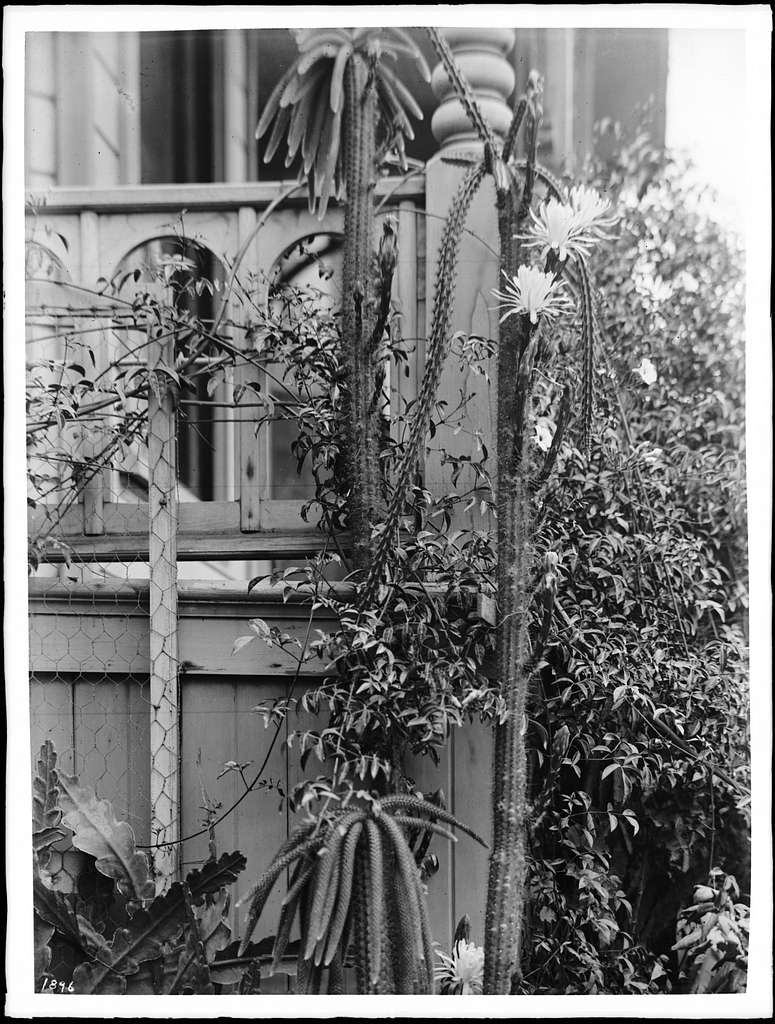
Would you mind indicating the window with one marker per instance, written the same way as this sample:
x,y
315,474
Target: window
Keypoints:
x,y
198,434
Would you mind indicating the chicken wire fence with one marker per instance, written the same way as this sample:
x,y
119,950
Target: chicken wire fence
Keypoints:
x,y
109,462
90,696
103,642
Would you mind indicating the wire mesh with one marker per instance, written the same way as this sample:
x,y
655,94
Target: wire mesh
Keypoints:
x,y
89,695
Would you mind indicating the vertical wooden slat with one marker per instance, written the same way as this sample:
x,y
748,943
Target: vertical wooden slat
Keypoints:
x,y
253,104
163,597
235,114
94,490
472,767
136,739
251,466
558,96
74,109
263,826
224,432
583,92
129,112
93,501
428,778
217,725
101,706
40,110
404,384
51,718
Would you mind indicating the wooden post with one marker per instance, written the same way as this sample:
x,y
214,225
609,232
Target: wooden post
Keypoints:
x,y
93,501
94,490
408,290
163,617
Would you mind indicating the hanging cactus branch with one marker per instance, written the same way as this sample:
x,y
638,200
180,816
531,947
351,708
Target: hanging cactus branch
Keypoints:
x,y
438,350
587,349
340,891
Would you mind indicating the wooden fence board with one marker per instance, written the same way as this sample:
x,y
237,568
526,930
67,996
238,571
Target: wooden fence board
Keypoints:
x,y
51,718
88,643
218,725
472,764
112,744
429,778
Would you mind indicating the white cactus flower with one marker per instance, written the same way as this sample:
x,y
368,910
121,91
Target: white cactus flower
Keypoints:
x,y
591,214
572,228
532,292
647,371
463,972
552,228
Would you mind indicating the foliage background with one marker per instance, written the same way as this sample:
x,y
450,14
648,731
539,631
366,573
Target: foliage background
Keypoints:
x,y
651,532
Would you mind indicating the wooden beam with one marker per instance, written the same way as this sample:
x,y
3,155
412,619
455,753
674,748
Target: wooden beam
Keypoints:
x,y
163,616
146,198
207,530
129,597
191,547
104,628
122,518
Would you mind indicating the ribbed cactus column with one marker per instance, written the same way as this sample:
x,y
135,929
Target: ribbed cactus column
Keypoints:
x,y
362,420
482,55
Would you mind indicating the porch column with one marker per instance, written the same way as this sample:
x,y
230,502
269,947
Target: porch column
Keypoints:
x,y
466,763
481,54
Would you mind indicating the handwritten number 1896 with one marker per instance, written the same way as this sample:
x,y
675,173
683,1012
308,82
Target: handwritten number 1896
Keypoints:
x,y
52,985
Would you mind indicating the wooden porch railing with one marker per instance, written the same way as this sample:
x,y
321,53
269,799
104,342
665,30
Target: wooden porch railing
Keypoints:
x,y
92,231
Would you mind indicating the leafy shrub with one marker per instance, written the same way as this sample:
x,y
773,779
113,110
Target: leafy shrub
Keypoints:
x,y
639,723
712,938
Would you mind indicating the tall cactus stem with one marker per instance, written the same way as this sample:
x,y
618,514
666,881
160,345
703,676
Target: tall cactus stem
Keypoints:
x,y
362,425
507,860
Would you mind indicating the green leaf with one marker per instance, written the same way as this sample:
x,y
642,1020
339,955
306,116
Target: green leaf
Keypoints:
x,y
43,933
46,813
144,939
214,875
55,910
137,955
96,831
107,977
213,925
46,837
337,77
240,642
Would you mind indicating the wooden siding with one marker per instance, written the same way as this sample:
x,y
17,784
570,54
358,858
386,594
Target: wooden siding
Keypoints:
x,y
89,694
89,642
